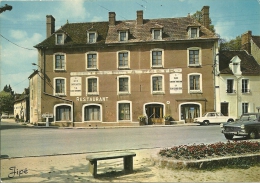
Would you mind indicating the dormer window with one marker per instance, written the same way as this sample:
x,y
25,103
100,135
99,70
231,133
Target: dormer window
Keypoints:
x,y
92,37
235,65
193,32
157,34
123,35
59,39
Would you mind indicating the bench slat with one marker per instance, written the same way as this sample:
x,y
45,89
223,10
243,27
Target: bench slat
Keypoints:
x,y
109,155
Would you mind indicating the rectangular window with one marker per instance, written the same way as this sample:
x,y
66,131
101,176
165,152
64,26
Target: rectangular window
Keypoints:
x,y
92,85
92,61
59,62
92,113
194,57
193,33
230,83
60,86
63,113
123,84
92,37
157,58
123,36
157,34
124,111
157,83
245,86
244,108
123,60
59,39
194,82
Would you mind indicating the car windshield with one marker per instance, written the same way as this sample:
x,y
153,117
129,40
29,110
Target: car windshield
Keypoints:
x,y
248,117
205,114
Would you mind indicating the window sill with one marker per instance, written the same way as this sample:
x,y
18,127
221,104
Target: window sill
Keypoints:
x,y
195,92
194,65
157,67
158,93
91,69
124,93
123,68
60,95
92,94
60,70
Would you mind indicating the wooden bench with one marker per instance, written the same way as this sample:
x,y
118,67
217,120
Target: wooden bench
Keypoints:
x,y
127,157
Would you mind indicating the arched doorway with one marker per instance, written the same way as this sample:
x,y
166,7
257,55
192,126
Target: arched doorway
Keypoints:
x,y
154,112
189,111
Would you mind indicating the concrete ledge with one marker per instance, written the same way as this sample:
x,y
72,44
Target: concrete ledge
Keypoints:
x,y
171,163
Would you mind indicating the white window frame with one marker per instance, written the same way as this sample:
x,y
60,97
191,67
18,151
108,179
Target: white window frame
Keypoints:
x,y
117,110
153,34
119,35
151,58
118,59
92,93
91,104
200,84
86,57
62,40
65,86
71,112
54,61
190,32
243,107
188,56
129,85
247,90
95,39
227,89
163,84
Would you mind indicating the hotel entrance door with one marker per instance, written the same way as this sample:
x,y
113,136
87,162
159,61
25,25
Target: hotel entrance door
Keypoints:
x,y
154,113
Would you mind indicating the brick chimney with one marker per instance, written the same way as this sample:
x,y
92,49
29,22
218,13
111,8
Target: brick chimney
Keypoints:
x,y
50,25
140,19
245,41
112,18
205,16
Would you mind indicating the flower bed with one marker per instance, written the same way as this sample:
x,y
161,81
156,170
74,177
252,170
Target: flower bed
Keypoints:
x,y
188,152
236,154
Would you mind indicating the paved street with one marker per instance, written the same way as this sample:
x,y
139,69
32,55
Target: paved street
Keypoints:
x,y
20,141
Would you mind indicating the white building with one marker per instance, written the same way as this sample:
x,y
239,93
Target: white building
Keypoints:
x,y
237,83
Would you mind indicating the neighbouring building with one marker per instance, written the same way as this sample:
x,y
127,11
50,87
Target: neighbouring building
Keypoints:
x,y
237,83
108,73
21,106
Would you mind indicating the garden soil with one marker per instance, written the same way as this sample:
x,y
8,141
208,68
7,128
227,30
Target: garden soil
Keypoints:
x,y
74,168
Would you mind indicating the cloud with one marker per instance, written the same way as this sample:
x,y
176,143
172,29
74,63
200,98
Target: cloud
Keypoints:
x,y
225,28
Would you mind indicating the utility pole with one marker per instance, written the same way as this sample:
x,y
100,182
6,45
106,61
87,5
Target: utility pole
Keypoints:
x,y
6,7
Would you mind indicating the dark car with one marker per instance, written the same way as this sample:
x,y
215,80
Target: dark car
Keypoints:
x,y
248,126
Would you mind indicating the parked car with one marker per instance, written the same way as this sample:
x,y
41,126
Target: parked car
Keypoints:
x,y
4,116
213,117
248,126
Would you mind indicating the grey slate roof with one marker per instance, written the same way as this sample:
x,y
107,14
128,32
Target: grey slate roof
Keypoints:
x,y
173,29
249,65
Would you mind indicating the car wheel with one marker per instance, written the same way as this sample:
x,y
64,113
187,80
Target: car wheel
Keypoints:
x,y
205,122
229,137
252,134
230,120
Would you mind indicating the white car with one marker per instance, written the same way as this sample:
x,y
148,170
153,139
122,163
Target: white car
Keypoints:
x,y
213,117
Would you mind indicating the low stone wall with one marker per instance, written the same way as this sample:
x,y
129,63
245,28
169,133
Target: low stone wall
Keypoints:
x,y
170,163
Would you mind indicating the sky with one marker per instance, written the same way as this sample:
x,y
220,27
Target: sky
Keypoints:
x,y
25,25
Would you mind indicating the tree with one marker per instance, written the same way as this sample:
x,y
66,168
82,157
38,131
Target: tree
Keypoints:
x,y
9,89
233,44
6,102
198,17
